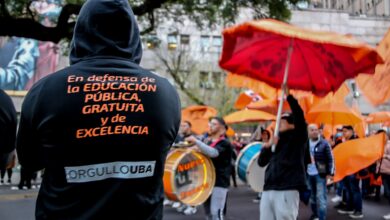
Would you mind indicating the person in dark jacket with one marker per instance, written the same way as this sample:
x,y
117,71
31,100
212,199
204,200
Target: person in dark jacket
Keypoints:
x,y
353,195
285,175
184,131
320,167
7,131
219,149
101,128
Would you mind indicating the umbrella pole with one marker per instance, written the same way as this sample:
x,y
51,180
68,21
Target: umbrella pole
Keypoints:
x,y
284,86
253,137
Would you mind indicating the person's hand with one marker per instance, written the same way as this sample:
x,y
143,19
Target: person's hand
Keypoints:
x,y
191,139
194,148
274,140
287,90
266,145
329,180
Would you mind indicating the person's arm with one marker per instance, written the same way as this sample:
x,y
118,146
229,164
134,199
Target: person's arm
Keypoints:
x,y
330,159
29,151
387,151
234,154
265,154
206,149
8,124
299,118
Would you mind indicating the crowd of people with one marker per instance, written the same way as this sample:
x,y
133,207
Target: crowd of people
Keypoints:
x,y
301,168
90,177
307,170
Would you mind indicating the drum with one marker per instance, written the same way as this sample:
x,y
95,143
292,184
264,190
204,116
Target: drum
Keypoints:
x,y
247,168
189,176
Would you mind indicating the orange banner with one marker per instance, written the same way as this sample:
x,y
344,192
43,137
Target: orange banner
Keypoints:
x,y
245,98
377,87
354,155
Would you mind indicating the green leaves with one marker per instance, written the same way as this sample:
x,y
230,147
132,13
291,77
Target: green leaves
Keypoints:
x,y
150,13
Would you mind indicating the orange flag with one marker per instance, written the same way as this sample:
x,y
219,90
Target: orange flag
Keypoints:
x,y
199,117
245,98
338,96
377,87
354,155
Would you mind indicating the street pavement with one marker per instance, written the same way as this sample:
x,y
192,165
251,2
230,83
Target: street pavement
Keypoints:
x,y
19,205
241,207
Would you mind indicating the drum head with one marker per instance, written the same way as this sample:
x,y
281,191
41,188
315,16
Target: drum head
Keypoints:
x,y
191,178
245,157
255,175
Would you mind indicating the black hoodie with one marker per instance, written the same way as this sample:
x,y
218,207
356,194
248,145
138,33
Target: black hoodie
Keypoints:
x,y
286,166
7,127
102,127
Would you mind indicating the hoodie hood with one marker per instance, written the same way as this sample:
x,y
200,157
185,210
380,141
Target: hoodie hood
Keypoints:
x,y
106,28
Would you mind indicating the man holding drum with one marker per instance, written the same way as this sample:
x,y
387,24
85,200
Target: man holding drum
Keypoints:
x,y
285,175
219,149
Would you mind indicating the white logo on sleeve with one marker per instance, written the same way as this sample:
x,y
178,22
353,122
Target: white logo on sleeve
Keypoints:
x,y
119,170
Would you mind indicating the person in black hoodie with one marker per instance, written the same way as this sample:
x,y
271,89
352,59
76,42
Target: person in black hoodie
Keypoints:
x,y
7,130
285,175
101,128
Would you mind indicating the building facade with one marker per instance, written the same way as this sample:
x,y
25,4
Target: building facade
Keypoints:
x,y
188,57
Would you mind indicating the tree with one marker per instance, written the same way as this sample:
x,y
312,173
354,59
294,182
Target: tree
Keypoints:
x,y
18,18
193,69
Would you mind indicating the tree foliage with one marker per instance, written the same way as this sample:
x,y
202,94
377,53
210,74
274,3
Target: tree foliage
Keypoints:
x,y
183,65
18,18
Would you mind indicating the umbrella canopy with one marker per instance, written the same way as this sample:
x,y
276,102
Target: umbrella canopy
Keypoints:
x,y
333,113
261,88
268,105
247,115
378,117
199,116
320,61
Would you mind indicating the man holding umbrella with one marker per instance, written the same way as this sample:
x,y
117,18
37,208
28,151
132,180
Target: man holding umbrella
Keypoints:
x,y
285,175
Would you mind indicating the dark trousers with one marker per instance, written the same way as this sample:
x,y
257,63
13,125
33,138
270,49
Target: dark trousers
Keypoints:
x,y
25,178
355,200
367,189
9,174
233,175
386,185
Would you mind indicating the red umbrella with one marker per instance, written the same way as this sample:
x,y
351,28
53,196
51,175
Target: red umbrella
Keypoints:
x,y
320,61
281,54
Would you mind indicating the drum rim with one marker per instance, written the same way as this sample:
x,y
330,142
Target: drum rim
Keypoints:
x,y
175,165
212,183
244,150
